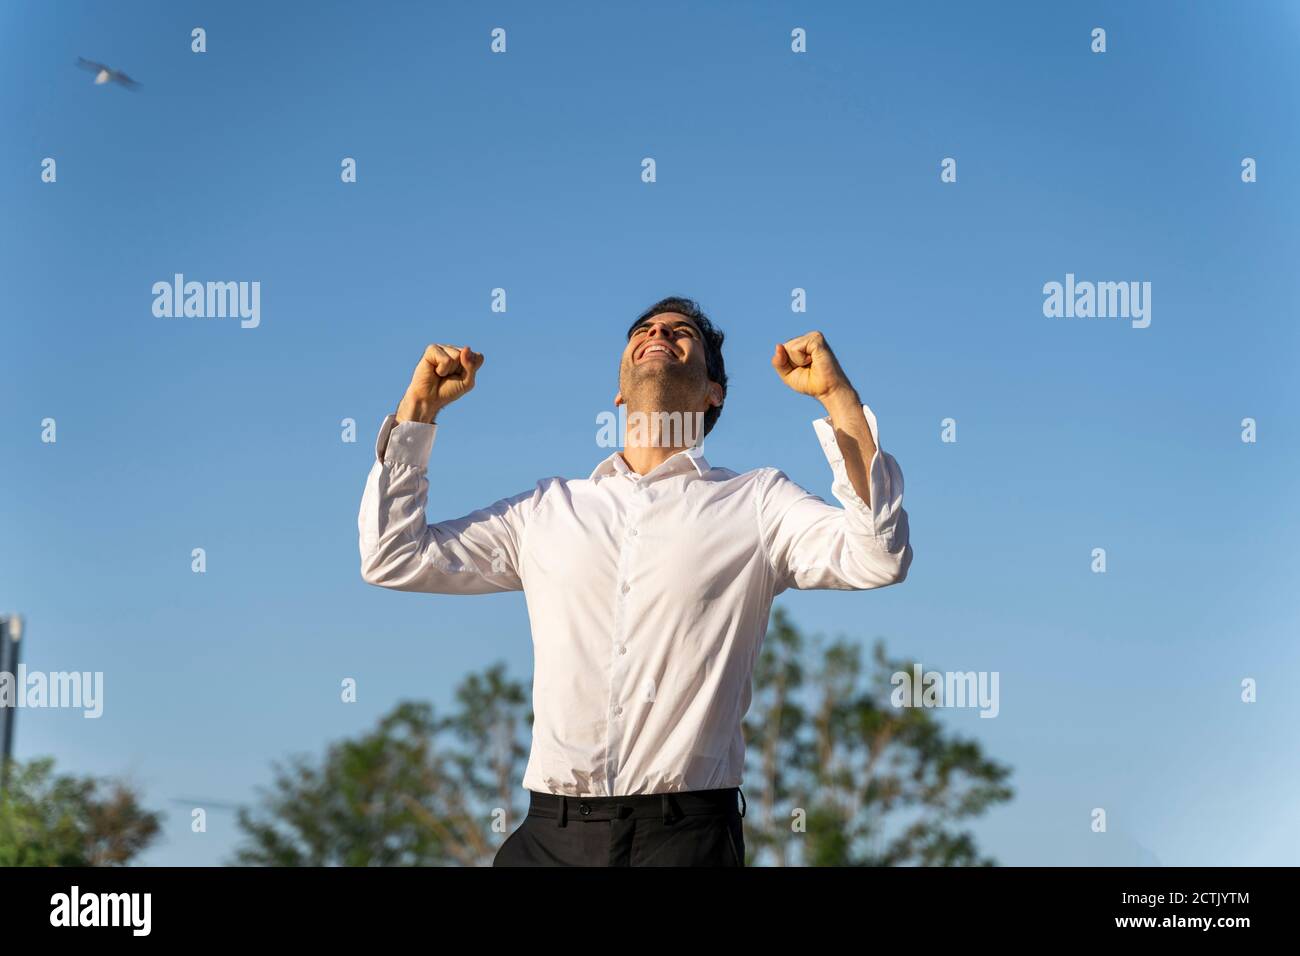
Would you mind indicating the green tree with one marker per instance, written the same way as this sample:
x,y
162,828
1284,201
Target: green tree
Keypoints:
x,y
878,785
49,819
418,790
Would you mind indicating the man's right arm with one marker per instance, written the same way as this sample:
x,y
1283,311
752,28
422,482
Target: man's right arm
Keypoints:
x,y
475,554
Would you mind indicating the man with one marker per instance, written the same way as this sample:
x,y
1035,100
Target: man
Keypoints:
x,y
648,583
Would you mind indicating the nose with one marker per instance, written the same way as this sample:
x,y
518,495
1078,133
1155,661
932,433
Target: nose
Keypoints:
x,y
654,331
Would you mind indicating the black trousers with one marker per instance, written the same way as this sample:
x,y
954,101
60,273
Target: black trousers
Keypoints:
x,y
687,828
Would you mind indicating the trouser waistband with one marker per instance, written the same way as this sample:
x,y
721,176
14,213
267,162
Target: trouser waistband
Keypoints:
x,y
669,806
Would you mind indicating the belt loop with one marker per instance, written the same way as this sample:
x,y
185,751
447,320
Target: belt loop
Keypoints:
x,y
744,804
663,804
562,818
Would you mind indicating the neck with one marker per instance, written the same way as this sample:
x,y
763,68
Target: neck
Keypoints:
x,y
653,436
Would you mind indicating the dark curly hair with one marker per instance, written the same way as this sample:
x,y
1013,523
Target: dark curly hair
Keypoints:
x,y
711,335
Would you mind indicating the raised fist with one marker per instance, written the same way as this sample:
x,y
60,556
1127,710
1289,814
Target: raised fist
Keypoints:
x,y
445,373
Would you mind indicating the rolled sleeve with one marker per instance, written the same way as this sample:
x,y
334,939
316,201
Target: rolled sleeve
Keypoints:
x,y
477,553
880,518
405,443
813,544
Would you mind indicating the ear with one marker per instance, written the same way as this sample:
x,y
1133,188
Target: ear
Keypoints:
x,y
618,397
715,394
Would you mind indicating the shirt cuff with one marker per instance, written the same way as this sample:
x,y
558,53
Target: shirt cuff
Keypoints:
x,y
880,509
405,443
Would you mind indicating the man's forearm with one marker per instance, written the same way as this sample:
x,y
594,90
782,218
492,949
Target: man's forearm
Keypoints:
x,y
853,435
415,410
412,409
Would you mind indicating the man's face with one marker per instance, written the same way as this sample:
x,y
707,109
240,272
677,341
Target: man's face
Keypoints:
x,y
663,366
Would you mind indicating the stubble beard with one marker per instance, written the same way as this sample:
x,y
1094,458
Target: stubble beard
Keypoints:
x,y
663,387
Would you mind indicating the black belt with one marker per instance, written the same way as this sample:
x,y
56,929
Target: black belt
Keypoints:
x,y
670,806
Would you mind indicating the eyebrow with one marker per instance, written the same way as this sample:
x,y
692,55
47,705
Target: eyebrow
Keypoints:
x,y
676,325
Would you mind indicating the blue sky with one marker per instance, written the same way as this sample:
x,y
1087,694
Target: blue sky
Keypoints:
x,y
775,171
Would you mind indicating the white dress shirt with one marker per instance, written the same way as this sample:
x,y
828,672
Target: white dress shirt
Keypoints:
x,y
648,595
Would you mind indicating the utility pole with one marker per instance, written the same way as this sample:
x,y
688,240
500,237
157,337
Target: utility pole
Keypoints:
x,y
11,633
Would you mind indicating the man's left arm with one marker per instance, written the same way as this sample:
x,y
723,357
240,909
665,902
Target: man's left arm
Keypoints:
x,y
808,366
864,544
853,436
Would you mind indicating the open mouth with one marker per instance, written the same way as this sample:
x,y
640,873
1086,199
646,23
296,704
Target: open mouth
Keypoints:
x,y
656,348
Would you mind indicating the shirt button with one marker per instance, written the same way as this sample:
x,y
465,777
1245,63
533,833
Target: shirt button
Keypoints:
x,y
634,532
622,648
618,711
626,587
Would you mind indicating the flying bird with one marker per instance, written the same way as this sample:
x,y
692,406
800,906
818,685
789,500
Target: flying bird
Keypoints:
x,y
106,74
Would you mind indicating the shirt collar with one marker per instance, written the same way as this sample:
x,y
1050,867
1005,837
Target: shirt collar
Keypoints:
x,y
616,464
